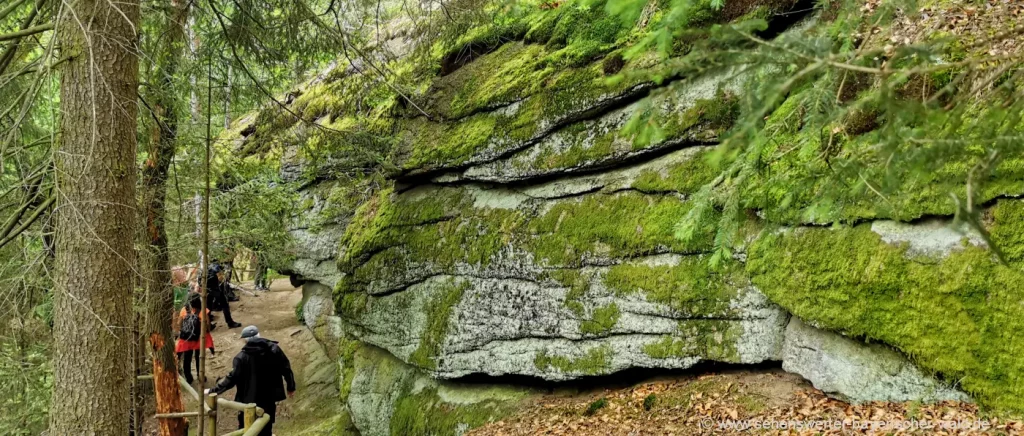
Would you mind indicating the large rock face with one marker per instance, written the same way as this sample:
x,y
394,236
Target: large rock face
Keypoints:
x,y
578,276
526,227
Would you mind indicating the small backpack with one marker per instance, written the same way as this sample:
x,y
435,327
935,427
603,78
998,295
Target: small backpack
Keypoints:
x,y
190,328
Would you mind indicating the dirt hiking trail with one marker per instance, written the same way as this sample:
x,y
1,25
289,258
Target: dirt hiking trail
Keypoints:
x,y
273,312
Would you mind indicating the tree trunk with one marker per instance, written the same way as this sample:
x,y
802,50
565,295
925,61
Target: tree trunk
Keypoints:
x,y
160,308
96,176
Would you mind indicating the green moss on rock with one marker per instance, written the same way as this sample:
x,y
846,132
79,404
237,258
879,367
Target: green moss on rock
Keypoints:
x,y
595,361
603,319
438,310
706,339
1008,229
955,316
425,412
684,177
619,225
691,286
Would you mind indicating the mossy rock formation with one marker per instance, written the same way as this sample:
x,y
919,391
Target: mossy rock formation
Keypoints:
x,y
524,227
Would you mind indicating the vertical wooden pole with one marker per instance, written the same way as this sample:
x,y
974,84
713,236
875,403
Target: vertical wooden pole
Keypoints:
x,y
250,415
204,316
211,415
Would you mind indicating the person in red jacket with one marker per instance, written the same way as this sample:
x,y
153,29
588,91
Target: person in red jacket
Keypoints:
x,y
187,349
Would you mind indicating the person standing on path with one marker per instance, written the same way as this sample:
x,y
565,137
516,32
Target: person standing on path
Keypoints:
x,y
187,346
257,372
216,294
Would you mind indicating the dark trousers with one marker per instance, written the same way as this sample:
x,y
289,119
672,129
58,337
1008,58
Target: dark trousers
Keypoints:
x,y
221,302
185,357
270,409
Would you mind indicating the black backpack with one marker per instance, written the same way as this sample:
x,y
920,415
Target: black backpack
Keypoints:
x,y
190,328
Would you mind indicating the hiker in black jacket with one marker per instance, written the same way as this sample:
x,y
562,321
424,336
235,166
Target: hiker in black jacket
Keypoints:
x,y
216,294
257,372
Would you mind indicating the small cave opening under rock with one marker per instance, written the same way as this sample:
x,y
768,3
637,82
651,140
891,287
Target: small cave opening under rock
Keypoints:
x,y
626,378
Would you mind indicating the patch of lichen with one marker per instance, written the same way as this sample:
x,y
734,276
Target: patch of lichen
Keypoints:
x,y
577,283
627,224
438,310
424,412
709,339
596,361
691,287
956,316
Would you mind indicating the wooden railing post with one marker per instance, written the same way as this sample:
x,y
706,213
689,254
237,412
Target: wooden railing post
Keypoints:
x,y
211,414
250,415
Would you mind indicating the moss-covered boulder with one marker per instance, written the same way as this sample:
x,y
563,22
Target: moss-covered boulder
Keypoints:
x,y
518,212
575,277
943,300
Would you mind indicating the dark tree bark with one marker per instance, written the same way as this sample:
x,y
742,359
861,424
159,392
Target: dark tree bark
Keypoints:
x,y
95,216
160,306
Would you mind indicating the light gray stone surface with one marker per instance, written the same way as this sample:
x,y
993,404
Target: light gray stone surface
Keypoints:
x,y
501,326
933,237
858,372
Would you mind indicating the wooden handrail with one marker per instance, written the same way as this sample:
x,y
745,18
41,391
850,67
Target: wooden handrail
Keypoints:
x,y
187,388
255,417
256,428
176,415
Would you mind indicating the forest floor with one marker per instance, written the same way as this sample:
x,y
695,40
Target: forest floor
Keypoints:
x,y
723,401
273,312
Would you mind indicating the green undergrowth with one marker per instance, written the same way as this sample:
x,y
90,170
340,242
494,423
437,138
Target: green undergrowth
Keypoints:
x,y
953,316
596,361
838,172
